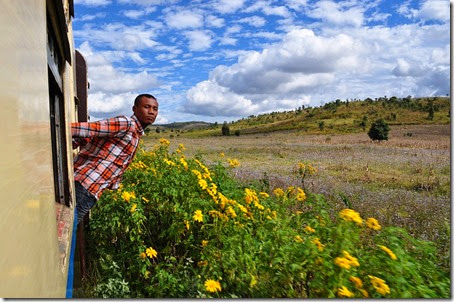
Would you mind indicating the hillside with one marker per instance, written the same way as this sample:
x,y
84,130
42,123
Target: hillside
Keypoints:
x,y
334,117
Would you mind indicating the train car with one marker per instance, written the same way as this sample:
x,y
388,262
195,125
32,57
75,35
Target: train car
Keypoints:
x,y
38,101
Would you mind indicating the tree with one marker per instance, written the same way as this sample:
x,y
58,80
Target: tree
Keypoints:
x,y
431,110
379,130
225,129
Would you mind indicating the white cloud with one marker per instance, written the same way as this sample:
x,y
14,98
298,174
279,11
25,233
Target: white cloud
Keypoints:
x,y
184,19
91,17
227,6
214,21
136,14
338,13
199,40
93,2
119,36
105,78
255,21
434,10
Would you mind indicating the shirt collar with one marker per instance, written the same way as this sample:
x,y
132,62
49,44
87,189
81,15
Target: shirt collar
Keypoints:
x,y
138,124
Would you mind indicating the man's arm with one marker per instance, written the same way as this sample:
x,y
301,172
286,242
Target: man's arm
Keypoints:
x,y
116,126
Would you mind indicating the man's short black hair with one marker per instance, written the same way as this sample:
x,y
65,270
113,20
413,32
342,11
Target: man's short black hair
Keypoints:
x,y
140,96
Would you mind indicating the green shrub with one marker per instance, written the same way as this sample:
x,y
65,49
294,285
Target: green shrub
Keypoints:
x,y
176,228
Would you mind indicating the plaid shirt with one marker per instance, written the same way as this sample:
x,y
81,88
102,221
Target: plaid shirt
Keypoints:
x,y
107,148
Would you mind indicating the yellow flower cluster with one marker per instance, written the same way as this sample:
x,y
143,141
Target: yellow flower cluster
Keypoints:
x,y
344,292
212,286
309,229
204,243
184,163
133,208
127,196
300,195
373,224
347,261
390,253
169,162
304,170
198,216
278,192
233,163
164,142
139,165
206,173
359,285
298,239
151,252
380,285
320,246
351,215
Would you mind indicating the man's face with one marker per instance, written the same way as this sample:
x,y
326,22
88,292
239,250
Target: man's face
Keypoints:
x,y
146,111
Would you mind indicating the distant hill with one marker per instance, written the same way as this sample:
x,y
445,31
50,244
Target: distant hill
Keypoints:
x,y
181,126
338,116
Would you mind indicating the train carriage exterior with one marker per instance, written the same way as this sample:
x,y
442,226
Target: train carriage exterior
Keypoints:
x,y
38,101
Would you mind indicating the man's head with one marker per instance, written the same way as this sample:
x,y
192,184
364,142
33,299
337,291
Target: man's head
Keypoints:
x,y
145,109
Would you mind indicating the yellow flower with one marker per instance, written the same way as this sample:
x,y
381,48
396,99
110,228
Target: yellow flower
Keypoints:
x,y
278,192
152,253
344,292
300,196
264,194
133,208
373,224
230,212
364,292
222,154
390,253
143,255
197,173
311,170
202,263
290,190
144,199
358,283
212,286
127,196
351,215
181,147
184,163
164,142
203,184
233,163
186,223
342,262
251,195
380,285
298,238
309,229
147,274
353,261
204,243
320,246
198,216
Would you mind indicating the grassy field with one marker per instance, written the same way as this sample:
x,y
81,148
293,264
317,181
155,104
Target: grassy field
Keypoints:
x,y
404,181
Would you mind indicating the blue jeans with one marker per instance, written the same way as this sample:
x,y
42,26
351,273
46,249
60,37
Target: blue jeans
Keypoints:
x,y
84,201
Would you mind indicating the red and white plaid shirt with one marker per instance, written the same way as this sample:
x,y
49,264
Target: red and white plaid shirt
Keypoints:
x,y
107,148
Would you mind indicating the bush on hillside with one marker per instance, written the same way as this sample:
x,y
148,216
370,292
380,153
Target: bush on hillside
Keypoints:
x,y
379,130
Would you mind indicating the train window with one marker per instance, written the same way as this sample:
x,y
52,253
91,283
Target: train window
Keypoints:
x,y
57,120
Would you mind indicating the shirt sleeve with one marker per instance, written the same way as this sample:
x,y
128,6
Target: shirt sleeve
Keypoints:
x,y
113,127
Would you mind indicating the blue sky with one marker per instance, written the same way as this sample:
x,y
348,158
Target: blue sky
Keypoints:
x,y
221,60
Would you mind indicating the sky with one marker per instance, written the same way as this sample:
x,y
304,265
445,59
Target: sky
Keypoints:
x,y
222,60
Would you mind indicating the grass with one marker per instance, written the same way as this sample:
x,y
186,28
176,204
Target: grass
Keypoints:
x,y
403,182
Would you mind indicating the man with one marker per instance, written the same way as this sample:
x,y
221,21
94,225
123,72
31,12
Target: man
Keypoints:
x,y
107,148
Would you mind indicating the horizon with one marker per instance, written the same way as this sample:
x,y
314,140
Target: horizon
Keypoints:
x,y
223,60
